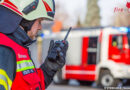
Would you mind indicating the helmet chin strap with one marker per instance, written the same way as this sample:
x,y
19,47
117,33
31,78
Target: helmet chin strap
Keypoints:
x,y
26,24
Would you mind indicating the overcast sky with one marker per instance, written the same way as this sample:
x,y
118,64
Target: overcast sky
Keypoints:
x,y
77,8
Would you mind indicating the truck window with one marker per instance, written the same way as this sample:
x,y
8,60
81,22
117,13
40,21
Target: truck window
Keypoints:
x,y
117,42
92,50
91,58
93,42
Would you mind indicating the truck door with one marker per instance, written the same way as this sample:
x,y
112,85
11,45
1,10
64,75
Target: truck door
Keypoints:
x,y
89,56
85,71
118,49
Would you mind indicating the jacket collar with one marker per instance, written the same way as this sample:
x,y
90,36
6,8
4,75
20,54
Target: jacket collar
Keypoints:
x,y
21,37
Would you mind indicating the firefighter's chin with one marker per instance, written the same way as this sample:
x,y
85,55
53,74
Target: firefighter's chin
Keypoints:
x,y
32,35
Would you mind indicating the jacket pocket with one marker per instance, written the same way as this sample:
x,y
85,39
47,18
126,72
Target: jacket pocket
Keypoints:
x,y
31,78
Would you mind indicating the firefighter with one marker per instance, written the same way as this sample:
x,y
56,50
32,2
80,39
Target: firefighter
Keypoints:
x,y
20,21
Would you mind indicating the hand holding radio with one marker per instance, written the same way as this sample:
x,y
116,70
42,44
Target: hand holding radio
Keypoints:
x,y
59,48
56,54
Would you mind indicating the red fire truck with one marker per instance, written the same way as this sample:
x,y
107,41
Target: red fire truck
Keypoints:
x,y
101,55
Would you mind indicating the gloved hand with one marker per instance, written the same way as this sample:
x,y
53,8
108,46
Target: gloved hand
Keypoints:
x,y
56,55
55,60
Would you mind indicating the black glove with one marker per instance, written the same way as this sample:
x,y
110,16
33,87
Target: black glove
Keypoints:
x,y
55,60
56,55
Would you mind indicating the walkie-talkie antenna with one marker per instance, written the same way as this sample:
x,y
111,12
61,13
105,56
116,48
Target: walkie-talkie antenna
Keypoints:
x,y
67,33
53,54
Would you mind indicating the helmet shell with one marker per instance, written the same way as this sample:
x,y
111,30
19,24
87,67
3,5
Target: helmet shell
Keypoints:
x,y
31,9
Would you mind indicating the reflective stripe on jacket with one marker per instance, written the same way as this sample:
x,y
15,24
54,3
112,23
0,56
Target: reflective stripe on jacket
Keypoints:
x,y
27,77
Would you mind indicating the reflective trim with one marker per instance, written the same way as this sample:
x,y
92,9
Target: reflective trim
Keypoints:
x,y
4,84
5,80
23,61
24,65
26,68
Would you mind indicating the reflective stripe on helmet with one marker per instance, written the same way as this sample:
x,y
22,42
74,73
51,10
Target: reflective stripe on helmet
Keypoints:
x,y
11,7
47,6
24,65
50,12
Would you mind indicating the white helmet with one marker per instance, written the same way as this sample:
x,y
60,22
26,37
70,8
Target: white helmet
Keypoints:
x,y
31,9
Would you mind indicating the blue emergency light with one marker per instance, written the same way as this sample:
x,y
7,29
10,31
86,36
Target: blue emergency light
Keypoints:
x,y
42,35
123,29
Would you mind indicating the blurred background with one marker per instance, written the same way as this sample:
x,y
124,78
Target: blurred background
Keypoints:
x,y
99,47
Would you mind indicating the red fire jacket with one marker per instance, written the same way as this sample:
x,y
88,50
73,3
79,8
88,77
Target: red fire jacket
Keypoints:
x,y
27,76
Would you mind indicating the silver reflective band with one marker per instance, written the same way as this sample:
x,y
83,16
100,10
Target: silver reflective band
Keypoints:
x,y
4,82
24,65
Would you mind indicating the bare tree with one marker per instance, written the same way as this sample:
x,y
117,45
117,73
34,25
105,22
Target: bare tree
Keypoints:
x,y
92,18
79,23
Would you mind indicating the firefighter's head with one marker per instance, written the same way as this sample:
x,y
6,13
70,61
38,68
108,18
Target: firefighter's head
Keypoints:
x,y
28,12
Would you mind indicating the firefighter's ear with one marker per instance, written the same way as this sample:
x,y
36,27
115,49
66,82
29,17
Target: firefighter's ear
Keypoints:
x,y
51,45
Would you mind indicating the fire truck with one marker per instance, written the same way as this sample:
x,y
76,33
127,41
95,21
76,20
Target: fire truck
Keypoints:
x,y
100,55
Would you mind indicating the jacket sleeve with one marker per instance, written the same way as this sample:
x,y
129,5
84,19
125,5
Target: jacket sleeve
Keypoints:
x,y
7,67
48,75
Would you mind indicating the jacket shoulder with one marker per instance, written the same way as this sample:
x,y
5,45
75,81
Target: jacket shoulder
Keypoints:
x,y
8,61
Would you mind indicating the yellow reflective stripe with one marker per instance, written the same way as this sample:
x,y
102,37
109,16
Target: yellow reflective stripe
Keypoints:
x,y
24,65
2,72
25,68
3,83
23,61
